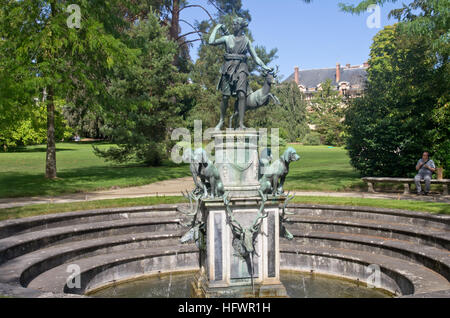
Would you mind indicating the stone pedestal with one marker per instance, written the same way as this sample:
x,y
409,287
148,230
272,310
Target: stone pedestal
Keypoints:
x,y
237,159
223,272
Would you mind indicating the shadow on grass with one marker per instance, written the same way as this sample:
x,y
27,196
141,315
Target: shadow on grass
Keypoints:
x,y
43,148
34,149
86,179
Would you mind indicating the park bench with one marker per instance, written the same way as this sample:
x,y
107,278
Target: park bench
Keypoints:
x,y
405,181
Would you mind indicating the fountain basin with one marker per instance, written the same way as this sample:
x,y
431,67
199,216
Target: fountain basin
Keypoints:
x,y
112,245
298,285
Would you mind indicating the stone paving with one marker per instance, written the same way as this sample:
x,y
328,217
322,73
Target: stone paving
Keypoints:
x,y
175,186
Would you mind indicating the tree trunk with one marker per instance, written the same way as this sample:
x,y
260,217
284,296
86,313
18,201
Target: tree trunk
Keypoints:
x,y
175,24
175,28
50,162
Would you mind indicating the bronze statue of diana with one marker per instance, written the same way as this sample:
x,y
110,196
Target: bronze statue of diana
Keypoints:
x,y
234,72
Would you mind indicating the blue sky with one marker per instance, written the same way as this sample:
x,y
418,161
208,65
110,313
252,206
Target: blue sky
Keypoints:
x,y
315,35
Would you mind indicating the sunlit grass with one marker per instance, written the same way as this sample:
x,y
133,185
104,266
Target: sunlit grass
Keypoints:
x,y
41,209
79,170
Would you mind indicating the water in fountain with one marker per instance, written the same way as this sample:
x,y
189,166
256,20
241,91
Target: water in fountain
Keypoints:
x,y
298,285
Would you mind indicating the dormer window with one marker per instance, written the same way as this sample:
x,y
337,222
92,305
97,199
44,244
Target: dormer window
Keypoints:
x,y
344,88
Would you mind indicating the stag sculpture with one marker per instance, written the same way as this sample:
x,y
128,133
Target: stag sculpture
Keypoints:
x,y
244,238
197,229
259,98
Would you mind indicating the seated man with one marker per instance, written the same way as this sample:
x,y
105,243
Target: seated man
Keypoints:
x,y
426,167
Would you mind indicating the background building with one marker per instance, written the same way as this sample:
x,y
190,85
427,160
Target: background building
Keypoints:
x,y
348,80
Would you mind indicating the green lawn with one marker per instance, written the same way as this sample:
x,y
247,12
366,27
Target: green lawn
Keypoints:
x,y
21,174
79,170
322,168
40,209
421,206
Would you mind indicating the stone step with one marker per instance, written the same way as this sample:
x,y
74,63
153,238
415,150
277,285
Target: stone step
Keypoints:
x,y
21,244
434,258
437,294
30,265
423,219
422,235
21,270
48,221
107,268
399,276
20,292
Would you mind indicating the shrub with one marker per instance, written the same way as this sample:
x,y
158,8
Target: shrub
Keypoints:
x,y
312,139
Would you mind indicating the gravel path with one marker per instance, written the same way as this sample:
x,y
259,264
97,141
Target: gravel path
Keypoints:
x,y
175,186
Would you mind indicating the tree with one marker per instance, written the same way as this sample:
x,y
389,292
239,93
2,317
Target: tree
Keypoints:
x,y
32,129
427,19
421,75
50,60
393,123
146,97
290,116
327,114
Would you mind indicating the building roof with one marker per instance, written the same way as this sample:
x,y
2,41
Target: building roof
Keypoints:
x,y
312,78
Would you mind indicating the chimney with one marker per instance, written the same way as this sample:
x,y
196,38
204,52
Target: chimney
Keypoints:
x,y
338,73
296,75
348,66
366,64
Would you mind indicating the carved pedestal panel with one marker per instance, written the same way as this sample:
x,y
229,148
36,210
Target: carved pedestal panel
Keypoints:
x,y
237,159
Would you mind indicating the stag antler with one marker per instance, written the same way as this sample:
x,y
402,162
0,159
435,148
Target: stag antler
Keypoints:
x,y
236,227
261,215
288,198
190,196
283,219
195,231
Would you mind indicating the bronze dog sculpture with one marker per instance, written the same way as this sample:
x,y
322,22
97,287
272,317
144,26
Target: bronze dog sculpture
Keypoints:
x,y
274,176
209,176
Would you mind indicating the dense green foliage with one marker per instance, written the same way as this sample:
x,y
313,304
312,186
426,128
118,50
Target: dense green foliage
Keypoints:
x,y
327,113
145,98
313,138
289,116
44,58
125,75
391,126
31,128
426,19
405,110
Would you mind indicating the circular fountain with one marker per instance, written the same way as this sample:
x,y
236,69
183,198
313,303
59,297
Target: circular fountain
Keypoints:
x,y
239,240
111,246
